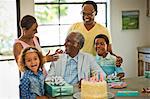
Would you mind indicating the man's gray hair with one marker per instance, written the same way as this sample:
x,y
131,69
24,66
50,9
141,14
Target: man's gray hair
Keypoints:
x,y
80,38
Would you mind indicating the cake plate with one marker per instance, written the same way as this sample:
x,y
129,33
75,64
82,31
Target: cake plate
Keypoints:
x,y
78,94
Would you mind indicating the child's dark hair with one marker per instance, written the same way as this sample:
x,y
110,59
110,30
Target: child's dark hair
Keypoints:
x,y
102,36
92,3
22,64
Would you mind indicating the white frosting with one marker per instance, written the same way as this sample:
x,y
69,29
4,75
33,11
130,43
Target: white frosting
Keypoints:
x,y
93,90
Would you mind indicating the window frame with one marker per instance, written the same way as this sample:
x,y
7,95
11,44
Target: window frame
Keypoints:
x,y
10,58
59,24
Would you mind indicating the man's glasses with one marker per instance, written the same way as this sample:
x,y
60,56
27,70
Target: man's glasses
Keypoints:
x,y
87,14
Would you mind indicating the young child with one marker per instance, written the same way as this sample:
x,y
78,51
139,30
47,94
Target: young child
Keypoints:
x,y
104,58
32,82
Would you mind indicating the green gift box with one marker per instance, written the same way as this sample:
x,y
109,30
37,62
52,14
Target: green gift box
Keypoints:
x,y
127,93
147,74
54,90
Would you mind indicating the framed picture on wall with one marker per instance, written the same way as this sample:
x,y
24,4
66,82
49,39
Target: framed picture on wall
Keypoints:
x,y
130,19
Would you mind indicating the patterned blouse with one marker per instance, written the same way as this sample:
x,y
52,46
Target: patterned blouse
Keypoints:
x,y
31,85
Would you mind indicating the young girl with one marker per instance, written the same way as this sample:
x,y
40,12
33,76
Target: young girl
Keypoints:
x,y
32,82
104,58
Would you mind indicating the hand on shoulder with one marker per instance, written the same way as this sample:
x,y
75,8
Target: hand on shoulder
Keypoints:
x,y
119,61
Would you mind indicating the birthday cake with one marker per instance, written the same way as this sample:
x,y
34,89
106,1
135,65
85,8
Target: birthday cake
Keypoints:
x,y
93,89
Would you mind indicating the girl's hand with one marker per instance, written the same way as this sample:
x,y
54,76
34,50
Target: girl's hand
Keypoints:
x,y
42,97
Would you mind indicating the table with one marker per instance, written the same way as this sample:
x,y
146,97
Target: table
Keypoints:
x,y
134,84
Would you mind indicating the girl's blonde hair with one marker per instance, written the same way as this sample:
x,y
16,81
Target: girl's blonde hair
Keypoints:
x,y
21,63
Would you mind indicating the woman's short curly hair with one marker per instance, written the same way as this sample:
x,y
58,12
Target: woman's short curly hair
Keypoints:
x,y
22,64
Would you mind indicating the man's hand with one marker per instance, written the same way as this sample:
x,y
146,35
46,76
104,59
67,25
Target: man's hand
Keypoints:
x,y
79,83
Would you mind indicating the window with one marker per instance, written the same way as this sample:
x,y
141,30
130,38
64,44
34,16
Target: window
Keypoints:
x,y
8,26
8,32
56,16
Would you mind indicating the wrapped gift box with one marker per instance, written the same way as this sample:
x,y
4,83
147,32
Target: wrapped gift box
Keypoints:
x,y
127,93
147,74
54,90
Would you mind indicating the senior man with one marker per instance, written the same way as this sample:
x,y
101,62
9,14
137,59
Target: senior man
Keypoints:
x,y
74,65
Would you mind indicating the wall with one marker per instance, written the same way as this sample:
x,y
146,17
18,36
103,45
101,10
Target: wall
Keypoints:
x,y
26,7
125,42
149,29
148,24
